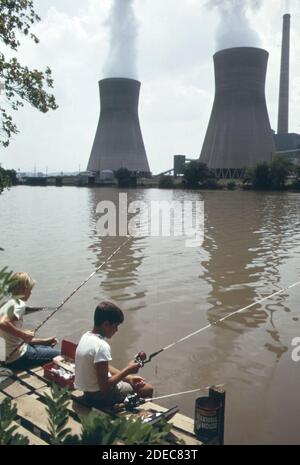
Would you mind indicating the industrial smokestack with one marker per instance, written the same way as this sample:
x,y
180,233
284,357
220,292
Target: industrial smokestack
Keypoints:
x,y
283,112
118,142
239,132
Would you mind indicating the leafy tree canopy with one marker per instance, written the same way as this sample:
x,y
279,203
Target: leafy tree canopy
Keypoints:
x,y
18,83
5,180
196,173
125,178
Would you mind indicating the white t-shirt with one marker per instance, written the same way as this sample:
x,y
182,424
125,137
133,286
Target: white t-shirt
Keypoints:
x,y
13,309
92,348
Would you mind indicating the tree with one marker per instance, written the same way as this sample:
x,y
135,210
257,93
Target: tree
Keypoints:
x,y
12,174
196,173
269,175
18,83
5,180
296,183
125,178
261,176
279,171
166,182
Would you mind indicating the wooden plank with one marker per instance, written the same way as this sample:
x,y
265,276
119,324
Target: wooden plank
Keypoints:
x,y
33,440
185,438
73,406
183,426
33,381
2,396
180,421
37,369
14,388
34,411
218,394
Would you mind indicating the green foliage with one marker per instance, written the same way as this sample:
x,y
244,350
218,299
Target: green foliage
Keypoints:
x,y
12,174
57,409
97,428
125,178
248,177
272,175
231,186
296,183
197,173
18,83
103,430
211,182
8,414
6,282
279,170
261,176
166,182
5,180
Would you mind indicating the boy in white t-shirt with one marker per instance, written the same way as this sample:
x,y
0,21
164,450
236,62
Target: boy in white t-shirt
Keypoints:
x,y
22,349
102,384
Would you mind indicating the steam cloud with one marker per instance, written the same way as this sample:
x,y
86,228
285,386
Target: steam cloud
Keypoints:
x,y
287,6
234,29
121,60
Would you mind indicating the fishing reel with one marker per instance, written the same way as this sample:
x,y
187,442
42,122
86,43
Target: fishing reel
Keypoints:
x,y
132,401
141,359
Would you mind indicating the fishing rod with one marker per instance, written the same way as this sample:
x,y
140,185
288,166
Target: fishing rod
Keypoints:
x,y
132,401
75,291
142,358
82,284
177,394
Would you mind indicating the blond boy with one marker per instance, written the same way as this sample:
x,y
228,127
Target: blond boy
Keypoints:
x,y
22,349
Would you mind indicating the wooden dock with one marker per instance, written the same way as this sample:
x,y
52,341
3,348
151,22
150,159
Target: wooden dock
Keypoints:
x,y
27,391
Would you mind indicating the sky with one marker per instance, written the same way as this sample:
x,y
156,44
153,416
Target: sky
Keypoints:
x,y
169,47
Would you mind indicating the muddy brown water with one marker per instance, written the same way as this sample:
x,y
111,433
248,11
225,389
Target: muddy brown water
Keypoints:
x,y
251,249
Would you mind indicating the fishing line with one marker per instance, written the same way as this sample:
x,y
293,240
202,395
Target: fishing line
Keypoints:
x,y
184,392
281,291
75,291
82,284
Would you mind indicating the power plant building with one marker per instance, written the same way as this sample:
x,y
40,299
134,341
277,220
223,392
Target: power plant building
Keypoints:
x,y
118,142
239,133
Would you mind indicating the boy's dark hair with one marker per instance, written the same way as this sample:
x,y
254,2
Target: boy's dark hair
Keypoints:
x,y
107,311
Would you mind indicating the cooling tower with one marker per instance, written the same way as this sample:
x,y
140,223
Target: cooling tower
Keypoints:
x,y
118,142
283,112
239,132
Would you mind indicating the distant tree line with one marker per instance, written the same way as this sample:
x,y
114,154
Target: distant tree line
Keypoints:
x,y
125,178
279,174
273,176
7,178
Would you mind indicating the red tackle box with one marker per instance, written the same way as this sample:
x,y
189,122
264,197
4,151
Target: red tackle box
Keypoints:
x,y
67,356
69,383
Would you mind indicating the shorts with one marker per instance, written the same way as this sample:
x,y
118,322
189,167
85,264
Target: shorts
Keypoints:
x,y
116,395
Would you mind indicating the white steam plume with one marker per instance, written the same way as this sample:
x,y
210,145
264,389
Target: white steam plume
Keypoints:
x,y
121,60
234,29
287,6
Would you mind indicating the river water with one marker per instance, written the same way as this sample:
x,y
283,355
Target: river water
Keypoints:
x,y
251,249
